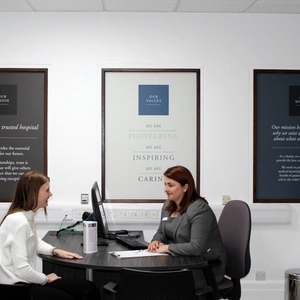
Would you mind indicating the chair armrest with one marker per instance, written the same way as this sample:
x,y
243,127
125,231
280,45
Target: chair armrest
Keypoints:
x,y
214,263
111,289
210,278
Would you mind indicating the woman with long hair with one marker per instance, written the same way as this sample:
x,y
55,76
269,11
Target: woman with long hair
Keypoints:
x,y
20,245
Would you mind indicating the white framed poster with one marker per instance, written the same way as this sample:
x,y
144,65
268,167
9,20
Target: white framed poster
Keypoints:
x,y
150,122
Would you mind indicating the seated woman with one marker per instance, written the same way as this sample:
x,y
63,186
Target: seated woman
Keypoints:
x,y
188,225
20,245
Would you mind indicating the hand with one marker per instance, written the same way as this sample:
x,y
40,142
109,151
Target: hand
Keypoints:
x,y
66,254
163,249
154,246
52,277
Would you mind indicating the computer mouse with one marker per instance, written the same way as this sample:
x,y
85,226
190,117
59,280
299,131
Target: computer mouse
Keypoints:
x,y
134,234
122,231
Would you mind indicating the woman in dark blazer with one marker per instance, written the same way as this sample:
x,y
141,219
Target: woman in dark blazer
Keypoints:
x,y
188,225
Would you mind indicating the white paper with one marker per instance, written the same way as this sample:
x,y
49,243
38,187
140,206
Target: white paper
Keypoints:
x,y
135,253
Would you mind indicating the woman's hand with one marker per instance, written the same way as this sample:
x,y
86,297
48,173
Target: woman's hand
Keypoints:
x,y
163,248
65,254
52,277
157,246
154,245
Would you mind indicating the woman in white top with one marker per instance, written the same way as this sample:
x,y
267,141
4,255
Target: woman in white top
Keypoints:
x,y
19,245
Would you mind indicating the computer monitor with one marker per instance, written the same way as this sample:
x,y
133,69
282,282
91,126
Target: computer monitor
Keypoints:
x,y
98,212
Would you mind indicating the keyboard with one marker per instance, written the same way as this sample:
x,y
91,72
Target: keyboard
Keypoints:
x,y
131,243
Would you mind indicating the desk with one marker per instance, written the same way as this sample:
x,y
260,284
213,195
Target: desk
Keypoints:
x,y
102,267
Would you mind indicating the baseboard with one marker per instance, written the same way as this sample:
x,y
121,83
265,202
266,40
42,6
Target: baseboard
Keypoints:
x,y
262,290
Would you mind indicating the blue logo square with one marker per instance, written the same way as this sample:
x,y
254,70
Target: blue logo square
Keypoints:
x,y
153,100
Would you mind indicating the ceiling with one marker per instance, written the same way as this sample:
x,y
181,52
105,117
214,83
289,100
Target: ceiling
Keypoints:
x,y
171,6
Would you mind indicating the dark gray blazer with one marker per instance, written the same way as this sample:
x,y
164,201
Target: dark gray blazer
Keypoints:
x,y
196,232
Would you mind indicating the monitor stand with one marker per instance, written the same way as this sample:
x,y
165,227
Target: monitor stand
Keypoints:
x,y
102,242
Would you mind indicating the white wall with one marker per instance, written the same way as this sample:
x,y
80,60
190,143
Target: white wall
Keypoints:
x,y
226,47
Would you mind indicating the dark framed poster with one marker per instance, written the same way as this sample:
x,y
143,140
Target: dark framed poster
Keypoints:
x,y
150,122
23,125
276,171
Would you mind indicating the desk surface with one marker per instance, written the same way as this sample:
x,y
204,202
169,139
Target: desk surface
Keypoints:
x,y
102,260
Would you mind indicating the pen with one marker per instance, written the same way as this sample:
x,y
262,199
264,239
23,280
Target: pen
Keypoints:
x,y
115,254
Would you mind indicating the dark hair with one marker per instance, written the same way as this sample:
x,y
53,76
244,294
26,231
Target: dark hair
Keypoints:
x,y
26,192
183,176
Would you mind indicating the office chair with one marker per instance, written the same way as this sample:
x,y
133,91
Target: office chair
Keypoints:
x,y
235,228
148,285
15,291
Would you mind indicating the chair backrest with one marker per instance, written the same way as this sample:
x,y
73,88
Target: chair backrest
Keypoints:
x,y
15,291
235,229
148,285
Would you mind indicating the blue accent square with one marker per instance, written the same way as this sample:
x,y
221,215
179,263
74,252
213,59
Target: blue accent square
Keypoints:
x,y
153,100
294,99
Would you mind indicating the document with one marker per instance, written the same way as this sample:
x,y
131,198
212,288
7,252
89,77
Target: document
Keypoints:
x,y
135,253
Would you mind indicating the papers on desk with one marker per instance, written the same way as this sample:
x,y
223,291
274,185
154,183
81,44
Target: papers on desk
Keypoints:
x,y
135,253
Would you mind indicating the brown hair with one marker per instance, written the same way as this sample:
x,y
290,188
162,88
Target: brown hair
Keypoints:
x,y
183,176
26,192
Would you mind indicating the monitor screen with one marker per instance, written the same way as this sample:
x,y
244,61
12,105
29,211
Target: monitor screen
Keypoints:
x,y
99,212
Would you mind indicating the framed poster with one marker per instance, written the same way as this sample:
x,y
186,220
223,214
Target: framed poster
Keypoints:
x,y
276,177
150,122
23,125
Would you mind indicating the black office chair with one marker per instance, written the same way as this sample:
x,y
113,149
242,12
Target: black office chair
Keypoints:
x,y
148,285
235,229
15,291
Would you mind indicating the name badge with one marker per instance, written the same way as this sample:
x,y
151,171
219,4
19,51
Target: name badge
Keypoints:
x,y
165,219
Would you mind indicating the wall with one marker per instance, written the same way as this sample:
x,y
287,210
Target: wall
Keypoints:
x,y
226,47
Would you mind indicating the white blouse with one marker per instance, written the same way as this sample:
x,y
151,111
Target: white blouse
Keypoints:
x,y
19,246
